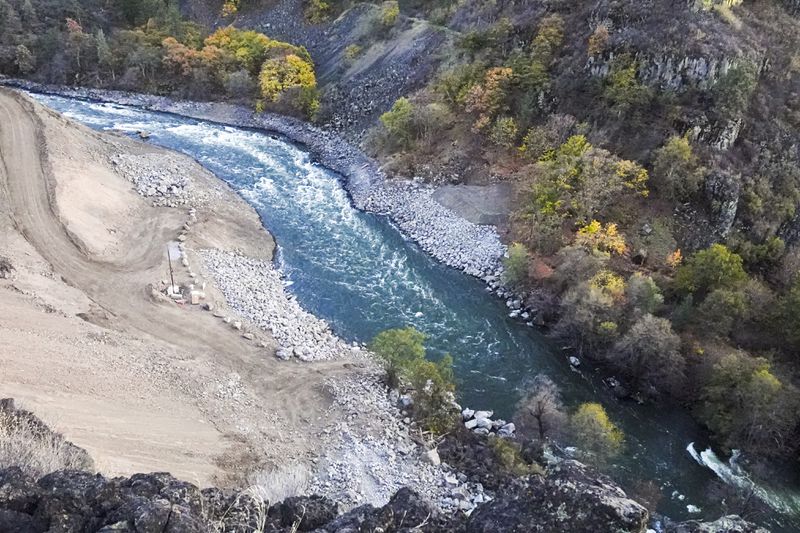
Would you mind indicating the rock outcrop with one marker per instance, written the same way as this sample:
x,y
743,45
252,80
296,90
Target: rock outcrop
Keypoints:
x,y
569,498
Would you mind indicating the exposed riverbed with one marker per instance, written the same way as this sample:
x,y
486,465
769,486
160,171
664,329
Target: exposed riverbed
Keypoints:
x,y
356,270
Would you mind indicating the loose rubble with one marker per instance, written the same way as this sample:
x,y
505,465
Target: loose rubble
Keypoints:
x,y
160,177
255,290
371,455
481,423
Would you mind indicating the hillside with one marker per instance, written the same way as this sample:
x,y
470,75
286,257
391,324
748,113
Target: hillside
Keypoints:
x,y
641,160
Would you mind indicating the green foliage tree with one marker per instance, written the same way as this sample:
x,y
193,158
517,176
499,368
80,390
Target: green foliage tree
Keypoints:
x,y
597,436
733,90
623,91
516,264
504,132
399,121
403,353
643,294
720,311
748,407
676,170
716,267
399,349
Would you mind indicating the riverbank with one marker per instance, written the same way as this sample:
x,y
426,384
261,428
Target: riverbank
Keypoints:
x,y
474,249
178,373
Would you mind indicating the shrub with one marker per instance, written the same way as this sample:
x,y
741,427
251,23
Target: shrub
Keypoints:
x,y
732,91
317,11
504,132
643,294
26,442
351,52
608,283
546,138
598,40
598,437
399,349
399,121
516,264
622,90
676,170
715,267
509,454
389,13
432,383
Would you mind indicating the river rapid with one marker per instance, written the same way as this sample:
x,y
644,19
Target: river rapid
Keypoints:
x,y
358,272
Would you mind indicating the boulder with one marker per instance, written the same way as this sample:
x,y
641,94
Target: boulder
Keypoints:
x,y
483,414
304,513
568,498
726,524
467,413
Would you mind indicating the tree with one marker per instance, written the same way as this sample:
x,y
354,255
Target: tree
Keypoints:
x,y
716,267
720,310
733,90
623,90
648,355
389,13
487,99
25,61
516,264
399,349
105,58
748,407
399,121
540,413
676,170
403,353
290,77
601,239
643,294
597,436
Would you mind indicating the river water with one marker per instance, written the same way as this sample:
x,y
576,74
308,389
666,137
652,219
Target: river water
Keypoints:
x,y
356,271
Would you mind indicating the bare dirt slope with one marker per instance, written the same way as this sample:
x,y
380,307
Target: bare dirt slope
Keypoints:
x,y
87,343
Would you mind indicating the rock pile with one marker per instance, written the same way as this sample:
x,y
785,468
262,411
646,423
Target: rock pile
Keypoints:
x,y
451,239
370,454
160,177
254,289
481,423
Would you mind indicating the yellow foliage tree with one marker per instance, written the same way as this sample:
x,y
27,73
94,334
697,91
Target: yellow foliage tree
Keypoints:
x,y
605,239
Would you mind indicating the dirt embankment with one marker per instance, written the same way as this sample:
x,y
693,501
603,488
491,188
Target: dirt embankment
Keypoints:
x,y
88,342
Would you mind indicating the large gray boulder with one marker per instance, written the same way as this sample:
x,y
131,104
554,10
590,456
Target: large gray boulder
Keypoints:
x,y
568,498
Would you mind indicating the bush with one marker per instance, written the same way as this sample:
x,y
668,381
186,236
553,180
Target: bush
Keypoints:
x,y
676,170
622,90
351,52
599,239
643,294
26,442
403,353
516,264
596,435
317,11
504,132
733,90
399,122
598,40
509,454
389,13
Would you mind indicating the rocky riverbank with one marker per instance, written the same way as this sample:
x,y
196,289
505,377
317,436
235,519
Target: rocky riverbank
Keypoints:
x,y
452,240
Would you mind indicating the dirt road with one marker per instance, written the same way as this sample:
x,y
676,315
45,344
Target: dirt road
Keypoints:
x,y
142,383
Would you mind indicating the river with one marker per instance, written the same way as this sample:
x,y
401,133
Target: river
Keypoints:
x,y
356,271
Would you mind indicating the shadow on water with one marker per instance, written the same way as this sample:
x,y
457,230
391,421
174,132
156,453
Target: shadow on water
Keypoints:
x,y
357,271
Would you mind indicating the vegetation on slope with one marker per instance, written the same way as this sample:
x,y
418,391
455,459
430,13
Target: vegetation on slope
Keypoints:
x,y
147,46
654,153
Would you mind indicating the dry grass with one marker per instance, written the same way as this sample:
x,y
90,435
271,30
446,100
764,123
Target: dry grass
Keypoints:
x,y
26,442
